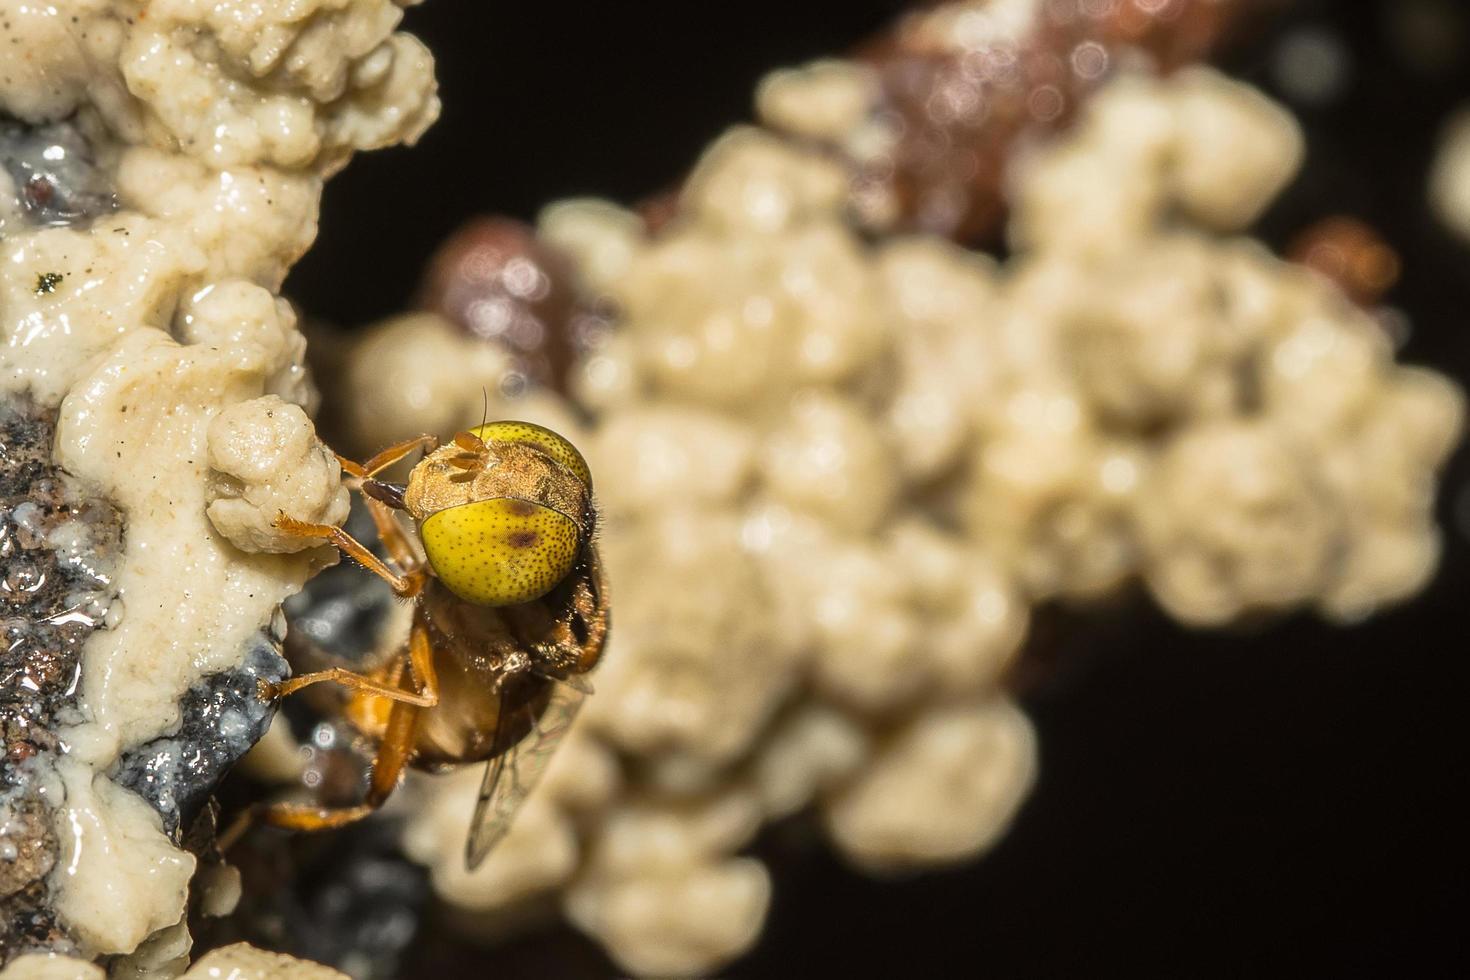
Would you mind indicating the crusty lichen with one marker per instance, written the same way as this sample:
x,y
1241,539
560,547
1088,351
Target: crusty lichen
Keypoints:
x,y
269,462
200,134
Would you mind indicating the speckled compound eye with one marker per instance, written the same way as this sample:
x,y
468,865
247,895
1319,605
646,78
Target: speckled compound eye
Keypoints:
x,y
543,439
501,551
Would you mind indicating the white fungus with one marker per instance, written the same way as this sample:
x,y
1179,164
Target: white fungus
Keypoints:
x,y
835,477
212,125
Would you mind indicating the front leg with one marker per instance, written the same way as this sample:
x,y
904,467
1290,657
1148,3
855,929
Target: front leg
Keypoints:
x,y
388,457
404,586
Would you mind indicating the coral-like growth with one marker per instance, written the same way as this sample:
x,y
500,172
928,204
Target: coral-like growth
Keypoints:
x,y
838,474
160,170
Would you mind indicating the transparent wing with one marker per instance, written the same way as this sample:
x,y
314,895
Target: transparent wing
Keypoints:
x,y
577,682
511,776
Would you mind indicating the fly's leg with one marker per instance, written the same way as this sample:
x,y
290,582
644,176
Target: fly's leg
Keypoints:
x,y
405,586
394,753
388,457
421,659
420,663
391,533
589,605
357,682
572,644
395,750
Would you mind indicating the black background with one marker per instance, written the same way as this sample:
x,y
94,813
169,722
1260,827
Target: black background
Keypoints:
x,y
1285,799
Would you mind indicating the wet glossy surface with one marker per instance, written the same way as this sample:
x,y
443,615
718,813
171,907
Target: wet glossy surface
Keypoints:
x,y
223,716
57,550
53,177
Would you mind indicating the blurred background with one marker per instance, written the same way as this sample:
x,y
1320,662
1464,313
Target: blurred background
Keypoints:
x,y
1278,798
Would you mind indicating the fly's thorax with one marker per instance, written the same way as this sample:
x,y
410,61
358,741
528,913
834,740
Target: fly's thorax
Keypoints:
x,y
511,470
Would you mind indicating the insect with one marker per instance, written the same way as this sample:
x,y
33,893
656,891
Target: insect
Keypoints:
x,y
509,615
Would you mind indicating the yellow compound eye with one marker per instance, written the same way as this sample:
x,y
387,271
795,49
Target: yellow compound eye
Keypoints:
x,y
543,439
501,551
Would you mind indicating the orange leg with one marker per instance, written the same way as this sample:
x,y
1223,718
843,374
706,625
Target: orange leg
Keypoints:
x,y
394,753
347,678
395,750
578,638
420,662
388,457
591,604
421,659
405,586
386,684
391,533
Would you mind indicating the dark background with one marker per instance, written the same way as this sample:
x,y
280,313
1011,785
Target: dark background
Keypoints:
x,y
1281,800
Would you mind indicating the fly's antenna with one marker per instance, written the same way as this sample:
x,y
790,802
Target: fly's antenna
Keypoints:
x,y
472,447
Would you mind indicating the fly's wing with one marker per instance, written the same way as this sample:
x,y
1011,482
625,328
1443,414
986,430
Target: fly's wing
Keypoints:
x,y
511,776
578,683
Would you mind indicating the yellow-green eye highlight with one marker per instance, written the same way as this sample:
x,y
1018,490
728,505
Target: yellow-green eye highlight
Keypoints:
x,y
502,551
543,439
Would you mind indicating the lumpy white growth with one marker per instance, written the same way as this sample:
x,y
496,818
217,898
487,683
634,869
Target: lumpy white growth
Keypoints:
x,y
941,788
245,962
177,371
1449,180
828,100
660,888
405,362
1216,149
662,924
836,476
783,593
119,877
1188,408
192,599
271,463
975,24
238,962
41,966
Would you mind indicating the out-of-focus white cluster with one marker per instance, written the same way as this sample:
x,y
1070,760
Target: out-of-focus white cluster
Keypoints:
x,y
1226,425
835,476
1196,147
794,626
1449,181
